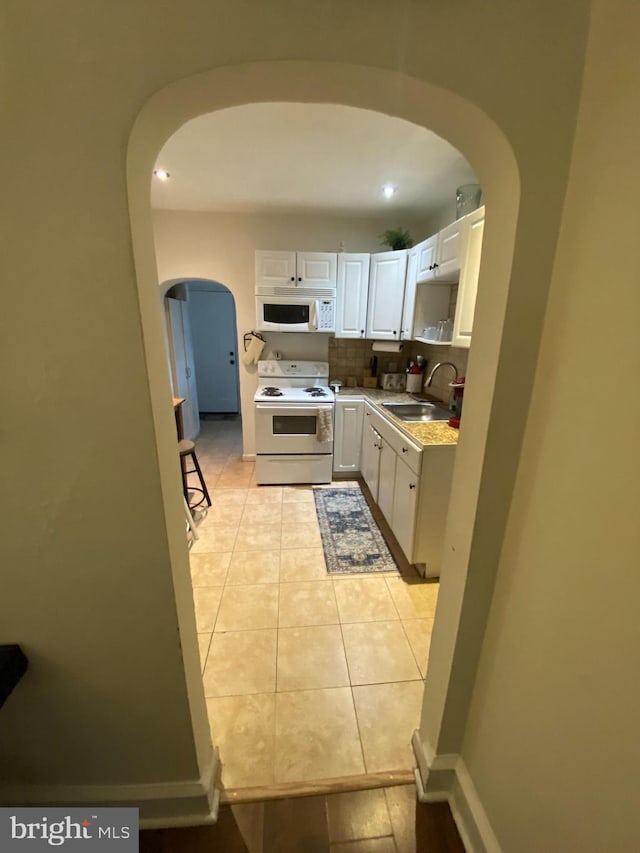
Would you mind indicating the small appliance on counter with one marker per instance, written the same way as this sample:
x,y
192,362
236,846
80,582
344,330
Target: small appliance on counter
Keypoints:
x,y
393,381
335,385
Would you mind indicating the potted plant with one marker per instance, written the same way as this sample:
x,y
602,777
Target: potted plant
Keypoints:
x,y
396,238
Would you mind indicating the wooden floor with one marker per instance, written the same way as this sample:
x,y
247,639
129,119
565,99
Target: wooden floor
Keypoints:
x,y
384,820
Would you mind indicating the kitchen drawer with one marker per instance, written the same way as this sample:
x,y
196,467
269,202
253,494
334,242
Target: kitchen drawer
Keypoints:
x,y
409,454
406,450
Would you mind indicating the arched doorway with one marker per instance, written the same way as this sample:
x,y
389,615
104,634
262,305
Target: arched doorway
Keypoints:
x,y
203,350
469,130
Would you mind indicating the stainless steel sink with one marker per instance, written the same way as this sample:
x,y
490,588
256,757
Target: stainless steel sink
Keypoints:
x,y
418,411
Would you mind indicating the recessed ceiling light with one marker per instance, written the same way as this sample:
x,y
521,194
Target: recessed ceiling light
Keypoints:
x,y
161,174
388,190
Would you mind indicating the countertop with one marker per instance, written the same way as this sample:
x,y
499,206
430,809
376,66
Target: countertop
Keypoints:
x,y
425,434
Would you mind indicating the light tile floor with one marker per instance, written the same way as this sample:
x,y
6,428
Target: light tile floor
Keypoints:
x,y
307,675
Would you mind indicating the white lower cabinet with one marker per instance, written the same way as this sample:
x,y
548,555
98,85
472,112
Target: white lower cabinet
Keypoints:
x,y
411,485
405,504
387,480
347,436
371,458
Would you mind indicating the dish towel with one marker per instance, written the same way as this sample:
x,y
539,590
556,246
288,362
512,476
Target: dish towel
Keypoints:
x,y
254,350
324,425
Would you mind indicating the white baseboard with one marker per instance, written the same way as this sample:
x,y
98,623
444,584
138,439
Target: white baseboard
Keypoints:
x,y
248,457
161,804
435,773
468,812
445,777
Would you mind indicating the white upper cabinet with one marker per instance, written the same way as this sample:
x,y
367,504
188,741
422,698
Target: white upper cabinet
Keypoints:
x,y
468,287
408,310
440,257
308,270
316,269
449,257
351,295
275,269
426,257
386,294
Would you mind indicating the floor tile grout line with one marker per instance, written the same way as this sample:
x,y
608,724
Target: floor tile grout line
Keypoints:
x,y
277,637
353,698
415,657
206,656
389,590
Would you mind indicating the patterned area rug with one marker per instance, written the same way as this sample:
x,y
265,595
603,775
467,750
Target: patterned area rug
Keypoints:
x,y
351,539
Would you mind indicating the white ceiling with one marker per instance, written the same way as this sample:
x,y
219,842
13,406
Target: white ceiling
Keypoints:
x,y
307,158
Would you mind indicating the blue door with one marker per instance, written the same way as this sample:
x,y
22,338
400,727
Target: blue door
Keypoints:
x,y
212,316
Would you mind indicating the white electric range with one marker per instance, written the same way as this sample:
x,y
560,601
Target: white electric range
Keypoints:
x,y
294,423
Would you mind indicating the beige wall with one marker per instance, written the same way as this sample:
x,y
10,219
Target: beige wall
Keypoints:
x,y
89,576
552,739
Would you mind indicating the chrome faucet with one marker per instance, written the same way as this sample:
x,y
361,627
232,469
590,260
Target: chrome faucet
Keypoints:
x,y
440,364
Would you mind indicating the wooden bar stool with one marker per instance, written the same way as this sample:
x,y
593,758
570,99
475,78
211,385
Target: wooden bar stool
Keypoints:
x,y
187,448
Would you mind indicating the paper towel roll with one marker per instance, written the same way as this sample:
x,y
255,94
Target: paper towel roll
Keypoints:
x,y
387,346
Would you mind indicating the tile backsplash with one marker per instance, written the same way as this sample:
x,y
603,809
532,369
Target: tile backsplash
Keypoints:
x,y
434,354
350,360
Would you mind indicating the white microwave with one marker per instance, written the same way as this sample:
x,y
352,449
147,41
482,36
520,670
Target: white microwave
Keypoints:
x,y
295,314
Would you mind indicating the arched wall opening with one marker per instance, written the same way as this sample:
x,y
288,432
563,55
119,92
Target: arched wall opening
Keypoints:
x,y
459,624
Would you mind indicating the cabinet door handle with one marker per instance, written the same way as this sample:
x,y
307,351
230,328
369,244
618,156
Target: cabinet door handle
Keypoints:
x,y
293,278
435,266
405,449
299,278
362,333
394,332
412,485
